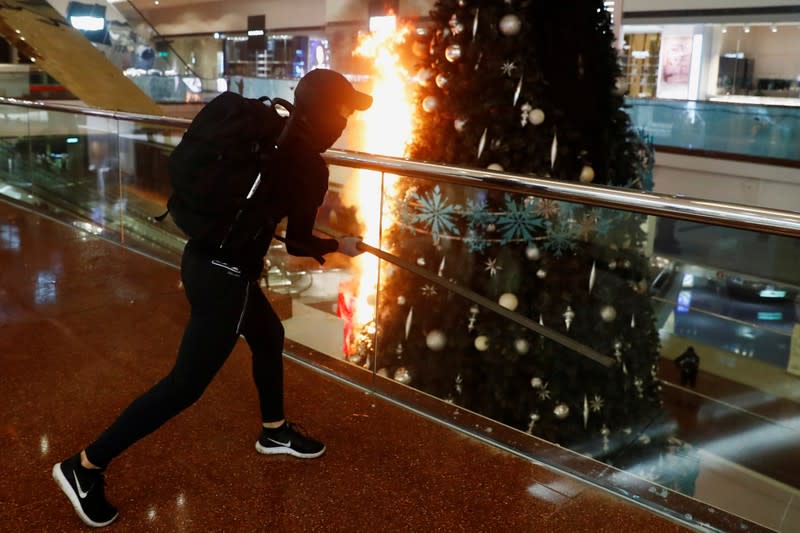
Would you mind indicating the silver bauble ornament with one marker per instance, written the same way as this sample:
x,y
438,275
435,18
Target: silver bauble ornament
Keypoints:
x,y
482,343
495,166
561,411
509,301
522,346
587,174
608,313
453,53
436,340
424,76
536,117
402,375
510,25
459,124
441,81
533,253
429,104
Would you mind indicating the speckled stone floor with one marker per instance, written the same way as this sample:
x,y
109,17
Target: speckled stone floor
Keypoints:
x,y
86,326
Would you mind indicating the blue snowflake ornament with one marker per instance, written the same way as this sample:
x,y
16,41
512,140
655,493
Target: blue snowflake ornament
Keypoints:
x,y
518,222
560,238
478,214
436,214
476,241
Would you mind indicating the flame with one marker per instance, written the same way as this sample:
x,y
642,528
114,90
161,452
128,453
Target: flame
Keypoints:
x,y
388,129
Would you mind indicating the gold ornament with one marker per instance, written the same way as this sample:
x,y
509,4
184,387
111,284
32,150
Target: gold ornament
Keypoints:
x,y
436,340
587,174
510,25
536,116
482,343
509,301
608,313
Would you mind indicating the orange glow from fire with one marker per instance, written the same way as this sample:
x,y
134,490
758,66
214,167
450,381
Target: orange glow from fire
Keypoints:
x,y
387,130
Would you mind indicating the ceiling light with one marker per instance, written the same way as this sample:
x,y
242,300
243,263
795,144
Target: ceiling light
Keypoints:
x,y
774,28
747,29
724,29
87,23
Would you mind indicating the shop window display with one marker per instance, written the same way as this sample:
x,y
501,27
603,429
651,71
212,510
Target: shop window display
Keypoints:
x,y
640,63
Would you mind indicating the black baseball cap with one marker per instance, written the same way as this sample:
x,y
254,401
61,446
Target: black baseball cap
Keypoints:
x,y
323,86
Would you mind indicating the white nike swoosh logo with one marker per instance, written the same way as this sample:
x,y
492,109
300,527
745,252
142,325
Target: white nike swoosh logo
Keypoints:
x,y
81,493
288,444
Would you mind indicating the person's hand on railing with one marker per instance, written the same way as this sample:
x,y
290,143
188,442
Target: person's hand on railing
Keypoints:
x,y
348,245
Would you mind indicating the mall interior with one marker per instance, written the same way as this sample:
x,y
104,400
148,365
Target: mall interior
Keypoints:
x,y
458,374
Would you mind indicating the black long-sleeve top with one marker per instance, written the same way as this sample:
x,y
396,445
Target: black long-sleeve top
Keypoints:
x,y
294,184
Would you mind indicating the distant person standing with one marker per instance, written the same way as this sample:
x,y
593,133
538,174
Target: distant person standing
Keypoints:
x,y
688,363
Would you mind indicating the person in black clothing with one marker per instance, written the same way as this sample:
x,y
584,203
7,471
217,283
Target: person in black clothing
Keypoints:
x,y
226,300
689,363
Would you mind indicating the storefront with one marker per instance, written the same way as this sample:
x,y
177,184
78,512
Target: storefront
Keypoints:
x,y
736,54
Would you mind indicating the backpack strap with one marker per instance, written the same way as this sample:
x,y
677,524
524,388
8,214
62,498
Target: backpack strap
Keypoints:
x,y
266,155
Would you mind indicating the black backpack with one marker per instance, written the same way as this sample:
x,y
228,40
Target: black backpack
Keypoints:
x,y
215,167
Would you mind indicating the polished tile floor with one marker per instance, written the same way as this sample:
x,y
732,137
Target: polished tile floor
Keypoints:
x,y
85,326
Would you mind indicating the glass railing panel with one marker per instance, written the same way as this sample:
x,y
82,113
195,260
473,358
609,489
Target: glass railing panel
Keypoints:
x,y
594,276
74,167
144,151
15,153
737,129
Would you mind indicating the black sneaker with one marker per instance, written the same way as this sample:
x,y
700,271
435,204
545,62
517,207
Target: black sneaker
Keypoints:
x,y
289,439
85,489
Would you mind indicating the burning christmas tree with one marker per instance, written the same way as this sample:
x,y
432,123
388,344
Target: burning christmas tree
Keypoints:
x,y
527,87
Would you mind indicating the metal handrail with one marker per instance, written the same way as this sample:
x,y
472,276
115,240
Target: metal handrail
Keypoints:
x,y
680,207
92,112
737,216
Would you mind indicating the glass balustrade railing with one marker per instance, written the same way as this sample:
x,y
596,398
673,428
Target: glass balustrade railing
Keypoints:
x,y
525,315
738,129
104,175
597,276
172,89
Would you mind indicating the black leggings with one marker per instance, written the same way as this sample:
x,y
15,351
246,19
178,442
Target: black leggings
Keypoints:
x,y
223,306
